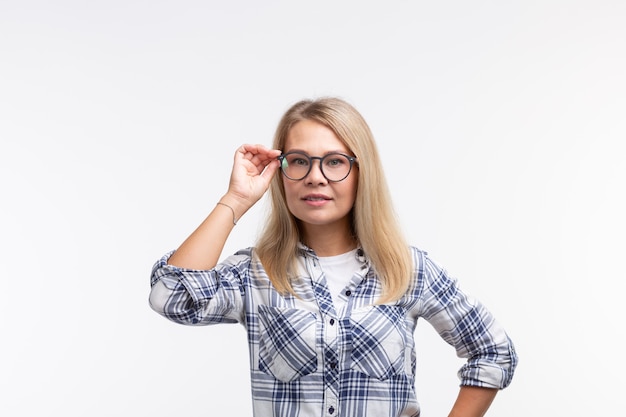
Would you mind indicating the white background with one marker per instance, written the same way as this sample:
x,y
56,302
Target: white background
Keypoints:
x,y
500,124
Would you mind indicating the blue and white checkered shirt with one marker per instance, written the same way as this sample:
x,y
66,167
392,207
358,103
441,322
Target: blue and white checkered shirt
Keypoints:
x,y
309,359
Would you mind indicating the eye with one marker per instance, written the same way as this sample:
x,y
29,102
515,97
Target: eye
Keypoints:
x,y
335,161
297,160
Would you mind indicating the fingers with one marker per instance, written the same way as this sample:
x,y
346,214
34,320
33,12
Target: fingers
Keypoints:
x,y
249,151
253,168
258,155
271,169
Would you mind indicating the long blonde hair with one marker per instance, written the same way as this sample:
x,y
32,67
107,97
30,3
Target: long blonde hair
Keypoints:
x,y
374,222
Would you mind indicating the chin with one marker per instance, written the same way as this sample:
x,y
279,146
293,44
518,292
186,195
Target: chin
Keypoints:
x,y
321,220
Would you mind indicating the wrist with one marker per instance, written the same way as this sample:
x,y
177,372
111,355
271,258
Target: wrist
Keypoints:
x,y
238,205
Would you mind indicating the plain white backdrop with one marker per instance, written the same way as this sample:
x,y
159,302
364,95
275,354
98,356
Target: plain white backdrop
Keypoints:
x,y
501,125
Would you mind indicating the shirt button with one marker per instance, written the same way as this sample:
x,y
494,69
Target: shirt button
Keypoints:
x,y
331,410
348,293
333,365
332,322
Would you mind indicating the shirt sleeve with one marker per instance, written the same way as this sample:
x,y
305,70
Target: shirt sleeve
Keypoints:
x,y
470,328
200,297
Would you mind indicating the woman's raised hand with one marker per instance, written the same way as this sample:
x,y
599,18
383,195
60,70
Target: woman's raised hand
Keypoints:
x,y
253,169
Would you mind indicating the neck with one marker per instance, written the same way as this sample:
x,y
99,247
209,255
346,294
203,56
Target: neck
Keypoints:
x,y
328,240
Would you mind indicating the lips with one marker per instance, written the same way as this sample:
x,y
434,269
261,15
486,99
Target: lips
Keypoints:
x,y
316,197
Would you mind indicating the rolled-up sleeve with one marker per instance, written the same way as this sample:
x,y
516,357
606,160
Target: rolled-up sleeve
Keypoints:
x,y
200,297
470,328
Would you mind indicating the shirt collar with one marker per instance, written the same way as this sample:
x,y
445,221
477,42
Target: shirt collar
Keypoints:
x,y
304,250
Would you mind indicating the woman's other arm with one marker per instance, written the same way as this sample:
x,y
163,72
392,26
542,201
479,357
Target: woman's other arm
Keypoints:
x,y
473,401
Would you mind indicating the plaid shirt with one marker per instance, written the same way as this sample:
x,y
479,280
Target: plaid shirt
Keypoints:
x,y
309,359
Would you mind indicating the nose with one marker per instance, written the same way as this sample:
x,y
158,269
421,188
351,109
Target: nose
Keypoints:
x,y
315,175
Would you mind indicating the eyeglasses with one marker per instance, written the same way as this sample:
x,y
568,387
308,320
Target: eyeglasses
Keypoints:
x,y
334,166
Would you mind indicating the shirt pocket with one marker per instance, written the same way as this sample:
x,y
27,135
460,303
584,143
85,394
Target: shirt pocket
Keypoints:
x,y
287,342
378,347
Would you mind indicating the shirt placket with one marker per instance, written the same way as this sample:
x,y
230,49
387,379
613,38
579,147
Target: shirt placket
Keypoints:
x,y
330,338
331,365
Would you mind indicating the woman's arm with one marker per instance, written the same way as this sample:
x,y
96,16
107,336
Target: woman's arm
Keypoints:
x,y
473,401
253,168
466,324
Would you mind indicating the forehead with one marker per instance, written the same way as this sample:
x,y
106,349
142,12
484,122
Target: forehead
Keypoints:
x,y
314,138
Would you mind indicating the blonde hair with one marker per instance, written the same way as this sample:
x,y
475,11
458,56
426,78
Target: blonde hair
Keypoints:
x,y
374,222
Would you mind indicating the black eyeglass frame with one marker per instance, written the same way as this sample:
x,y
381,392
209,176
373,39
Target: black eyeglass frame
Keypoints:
x,y
351,159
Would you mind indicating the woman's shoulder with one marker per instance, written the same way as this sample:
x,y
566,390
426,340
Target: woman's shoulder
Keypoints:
x,y
423,262
245,251
417,250
419,254
240,256
246,256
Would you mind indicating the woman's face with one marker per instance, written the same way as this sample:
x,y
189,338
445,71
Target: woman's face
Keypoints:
x,y
315,200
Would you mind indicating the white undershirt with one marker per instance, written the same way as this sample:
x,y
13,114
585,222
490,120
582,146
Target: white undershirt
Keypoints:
x,y
339,270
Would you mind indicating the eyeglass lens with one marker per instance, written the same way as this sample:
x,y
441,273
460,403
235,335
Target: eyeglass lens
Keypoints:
x,y
334,166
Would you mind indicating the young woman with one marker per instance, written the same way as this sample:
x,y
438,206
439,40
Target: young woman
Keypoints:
x,y
331,293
